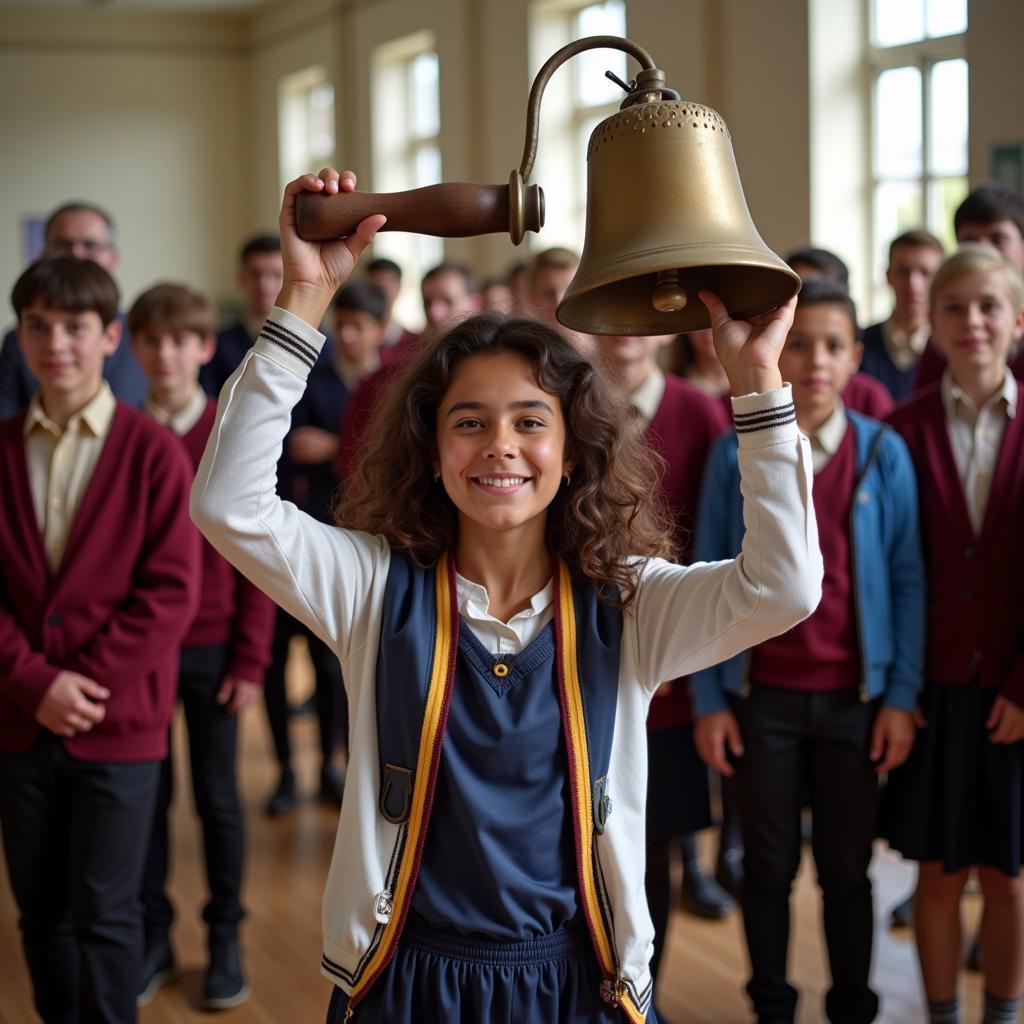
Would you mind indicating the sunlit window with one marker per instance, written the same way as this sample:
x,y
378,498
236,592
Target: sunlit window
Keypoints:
x,y
577,99
406,151
919,102
305,122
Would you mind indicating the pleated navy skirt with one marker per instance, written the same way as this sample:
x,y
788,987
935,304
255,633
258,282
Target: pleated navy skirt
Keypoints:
x,y
959,799
438,976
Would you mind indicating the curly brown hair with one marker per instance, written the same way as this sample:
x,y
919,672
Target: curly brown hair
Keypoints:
x,y
609,512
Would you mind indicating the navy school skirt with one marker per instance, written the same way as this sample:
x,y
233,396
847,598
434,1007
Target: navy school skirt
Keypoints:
x,y
958,799
677,784
439,976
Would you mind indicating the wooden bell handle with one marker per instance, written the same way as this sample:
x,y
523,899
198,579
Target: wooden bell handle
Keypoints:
x,y
451,210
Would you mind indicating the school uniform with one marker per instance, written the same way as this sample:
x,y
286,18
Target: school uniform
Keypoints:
x,y
891,355
98,575
806,701
376,609
867,396
958,799
230,636
121,371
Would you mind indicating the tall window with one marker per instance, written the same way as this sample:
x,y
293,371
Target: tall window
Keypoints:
x,y
305,101
577,99
406,151
919,117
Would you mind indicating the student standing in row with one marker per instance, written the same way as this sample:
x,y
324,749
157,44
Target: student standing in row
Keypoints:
x,y
958,803
827,707
99,583
223,658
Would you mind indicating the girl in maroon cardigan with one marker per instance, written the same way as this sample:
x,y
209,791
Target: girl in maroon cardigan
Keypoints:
x,y
958,802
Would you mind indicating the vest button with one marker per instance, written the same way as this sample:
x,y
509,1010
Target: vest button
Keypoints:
x,y
969,552
863,497
500,669
54,619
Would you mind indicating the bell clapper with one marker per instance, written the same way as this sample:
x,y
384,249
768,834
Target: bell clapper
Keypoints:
x,y
669,295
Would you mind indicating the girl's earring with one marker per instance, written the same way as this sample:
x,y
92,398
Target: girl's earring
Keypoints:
x,y
437,476
567,477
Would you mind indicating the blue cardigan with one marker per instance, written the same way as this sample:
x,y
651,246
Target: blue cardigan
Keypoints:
x,y
887,566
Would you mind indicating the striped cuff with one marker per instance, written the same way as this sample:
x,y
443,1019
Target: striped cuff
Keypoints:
x,y
764,420
290,342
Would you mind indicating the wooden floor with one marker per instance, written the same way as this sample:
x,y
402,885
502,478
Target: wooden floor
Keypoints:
x,y
702,975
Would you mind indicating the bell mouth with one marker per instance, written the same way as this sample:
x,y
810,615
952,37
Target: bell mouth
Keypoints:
x,y
603,302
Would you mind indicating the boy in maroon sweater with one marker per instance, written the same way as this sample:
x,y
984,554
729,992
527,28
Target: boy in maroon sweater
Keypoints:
x,y
98,584
223,659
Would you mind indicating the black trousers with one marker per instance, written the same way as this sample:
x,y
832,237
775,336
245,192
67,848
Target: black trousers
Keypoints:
x,y
75,835
817,743
331,701
212,741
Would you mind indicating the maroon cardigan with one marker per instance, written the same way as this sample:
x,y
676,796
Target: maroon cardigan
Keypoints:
x,y
120,602
975,583
686,425
231,610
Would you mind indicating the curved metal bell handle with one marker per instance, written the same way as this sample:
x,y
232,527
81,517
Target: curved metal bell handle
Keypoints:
x,y
451,210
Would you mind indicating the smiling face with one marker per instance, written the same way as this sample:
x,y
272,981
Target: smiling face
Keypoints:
x,y
974,323
65,351
501,444
820,356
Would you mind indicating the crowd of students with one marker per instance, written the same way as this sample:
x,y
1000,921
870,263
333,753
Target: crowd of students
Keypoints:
x,y
894,708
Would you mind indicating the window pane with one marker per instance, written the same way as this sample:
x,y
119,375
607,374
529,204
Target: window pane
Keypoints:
x,y
898,123
898,208
897,21
428,166
944,196
424,105
321,121
948,118
946,17
592,88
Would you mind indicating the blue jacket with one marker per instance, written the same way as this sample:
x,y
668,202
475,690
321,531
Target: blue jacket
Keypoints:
x,y
887,566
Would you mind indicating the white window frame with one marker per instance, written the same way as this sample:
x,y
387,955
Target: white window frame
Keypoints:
x,y
300,149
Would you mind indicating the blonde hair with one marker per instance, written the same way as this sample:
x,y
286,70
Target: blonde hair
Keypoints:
x,y
977,258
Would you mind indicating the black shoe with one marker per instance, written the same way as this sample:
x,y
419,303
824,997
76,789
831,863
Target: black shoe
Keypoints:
x,y
224,985
902,915
157,969
332,785
703,896
729,872
283,798
973,962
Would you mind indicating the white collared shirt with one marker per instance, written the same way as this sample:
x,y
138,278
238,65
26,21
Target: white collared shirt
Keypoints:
x,y
647,398
905,347
61,464
504,637
825,441
976,436
184,419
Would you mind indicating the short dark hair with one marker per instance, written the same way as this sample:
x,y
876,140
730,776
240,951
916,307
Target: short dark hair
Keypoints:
x,y
383,265
453,267
916,239
820,291
172,307
66,284
363,297
825,262
988,204
76,205
258,244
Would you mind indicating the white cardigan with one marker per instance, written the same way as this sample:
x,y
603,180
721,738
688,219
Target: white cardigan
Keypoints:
x,y
684,618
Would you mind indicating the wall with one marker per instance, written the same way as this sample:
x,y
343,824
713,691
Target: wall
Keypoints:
x,y
144,115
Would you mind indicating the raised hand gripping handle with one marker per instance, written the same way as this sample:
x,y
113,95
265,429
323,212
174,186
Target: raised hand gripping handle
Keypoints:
x,y
451,210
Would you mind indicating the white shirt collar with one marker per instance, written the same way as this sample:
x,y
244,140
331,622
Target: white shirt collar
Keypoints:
x,y
647,398
953,395
474,601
